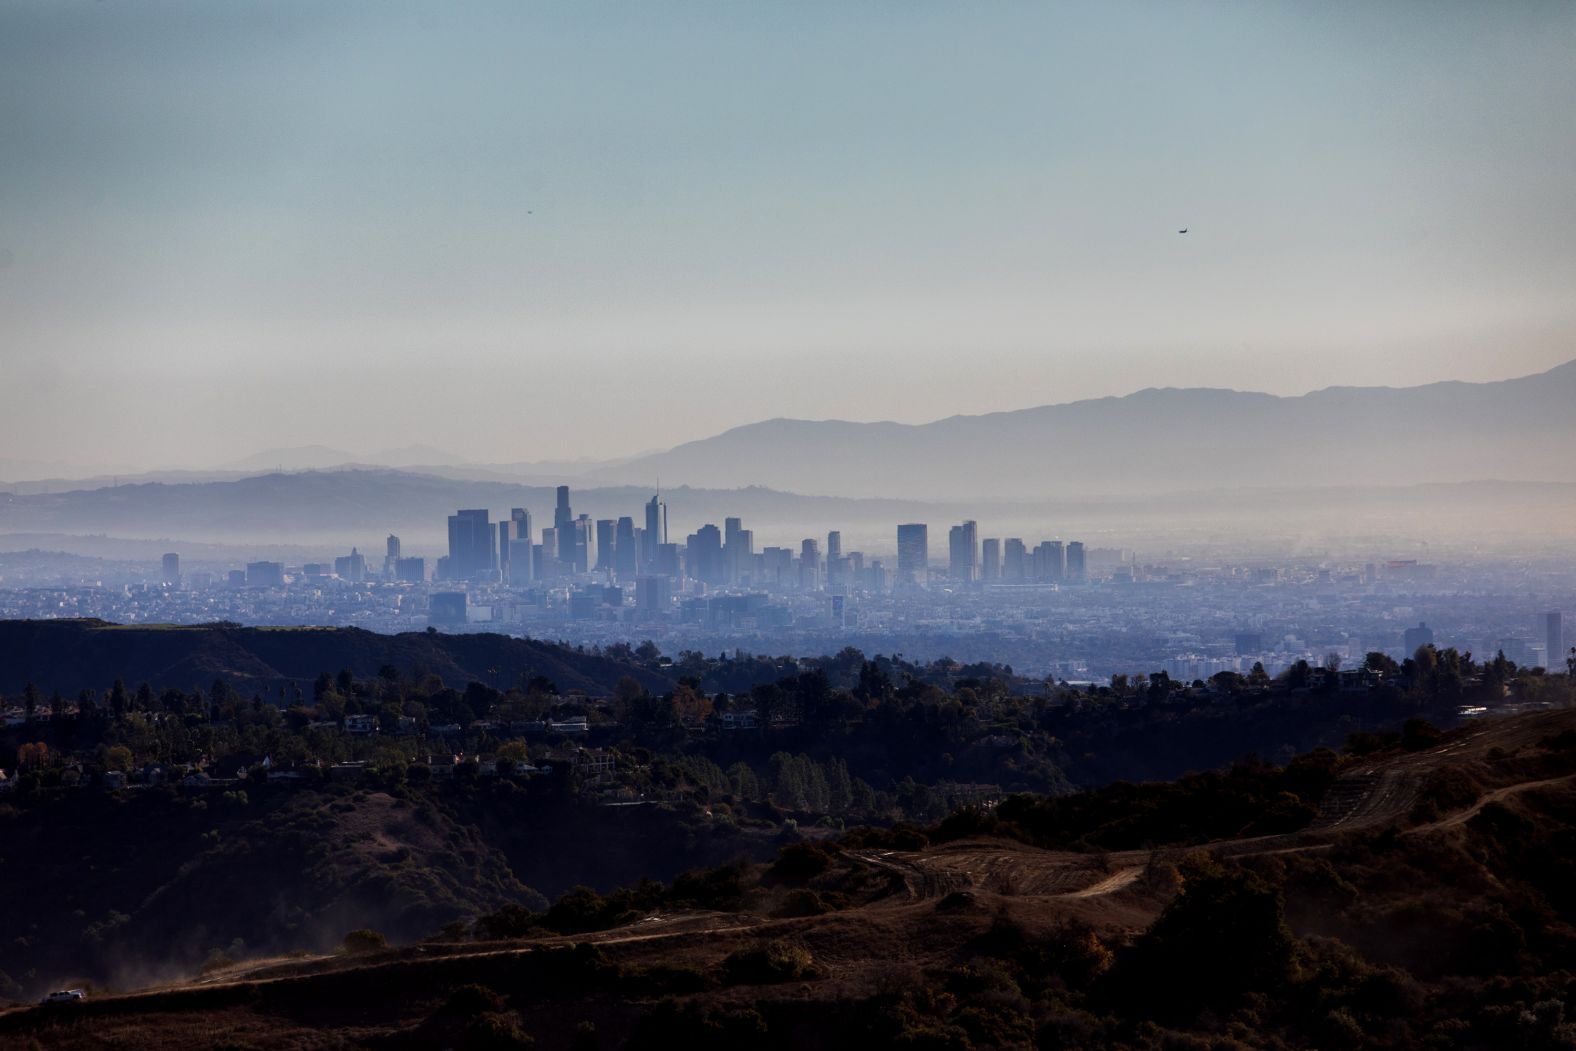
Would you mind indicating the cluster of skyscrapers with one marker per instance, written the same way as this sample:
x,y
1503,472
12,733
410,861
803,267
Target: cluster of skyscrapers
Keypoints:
x,y
508,552
992,560
505,552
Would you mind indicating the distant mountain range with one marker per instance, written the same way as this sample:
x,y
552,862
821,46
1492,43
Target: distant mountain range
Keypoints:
x,y
1153,441
362,505
1339,462
1157,440
322,457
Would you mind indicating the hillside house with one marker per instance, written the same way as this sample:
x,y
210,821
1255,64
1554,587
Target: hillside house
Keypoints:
x,y
745,720
354,770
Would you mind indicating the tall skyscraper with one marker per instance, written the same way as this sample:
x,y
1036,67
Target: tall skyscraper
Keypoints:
x,y
626,557
170,569
1554,642
990,559
1012,559
834,545
703,554
506,536
562,515
604,544
522,568
522,522
656,530
809,564
1077,570
470,544
963,551
653,595
584,540
913,553
351,567
1050,562
549,568
732,553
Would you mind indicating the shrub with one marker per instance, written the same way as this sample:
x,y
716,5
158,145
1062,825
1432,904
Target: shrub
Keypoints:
x,y
800,861
775,961
1420,734
719,888
362,941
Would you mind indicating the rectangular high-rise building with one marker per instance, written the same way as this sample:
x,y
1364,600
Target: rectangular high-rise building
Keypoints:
x,y
809,564
656,531
913,553
703,554
522,523
733,554
1013,559
265,574
351,567
562,515
1077,569
170,569
1050,562
506,536
990,559
963,551
522,563
834,545
584,540
604,544
410,570
670,561
550,560
653,596
626,556
470,544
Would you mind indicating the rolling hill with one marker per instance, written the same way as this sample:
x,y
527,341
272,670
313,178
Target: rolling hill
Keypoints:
x,y
71,656
1427,904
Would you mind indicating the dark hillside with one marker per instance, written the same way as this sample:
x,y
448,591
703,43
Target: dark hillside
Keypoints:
x,y
71,656
146,887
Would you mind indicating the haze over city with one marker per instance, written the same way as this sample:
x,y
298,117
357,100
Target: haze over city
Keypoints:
x,y
706,525
553,232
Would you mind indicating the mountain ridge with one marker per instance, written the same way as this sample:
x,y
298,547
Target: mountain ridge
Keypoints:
x,y
1449,430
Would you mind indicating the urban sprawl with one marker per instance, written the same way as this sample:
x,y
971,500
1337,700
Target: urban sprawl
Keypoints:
x,y
1050,608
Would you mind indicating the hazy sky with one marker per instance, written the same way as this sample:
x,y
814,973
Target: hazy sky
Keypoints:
x,y
528,230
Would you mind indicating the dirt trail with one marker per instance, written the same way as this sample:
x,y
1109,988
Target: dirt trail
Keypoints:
x,y
1368,794
1111,884
1461,817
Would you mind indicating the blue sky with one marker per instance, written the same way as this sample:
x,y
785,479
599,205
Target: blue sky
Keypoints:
x,y
523,231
